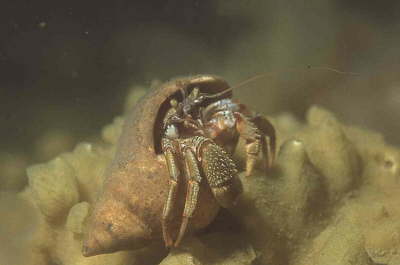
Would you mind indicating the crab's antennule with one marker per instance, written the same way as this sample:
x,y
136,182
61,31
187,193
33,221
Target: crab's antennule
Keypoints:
x,y
251,79
195,92
183,92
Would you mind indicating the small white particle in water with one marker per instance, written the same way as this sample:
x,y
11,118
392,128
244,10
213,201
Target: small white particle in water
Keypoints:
x,y
42,24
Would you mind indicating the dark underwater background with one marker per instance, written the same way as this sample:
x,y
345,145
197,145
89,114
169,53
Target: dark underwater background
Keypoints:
x,y
66,66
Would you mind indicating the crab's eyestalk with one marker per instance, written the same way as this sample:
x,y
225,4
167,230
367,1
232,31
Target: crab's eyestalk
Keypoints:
x,y
195,93
183,92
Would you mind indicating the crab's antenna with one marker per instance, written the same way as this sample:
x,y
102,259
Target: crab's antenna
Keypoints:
x,y
330,69
251,79
266,74
229,89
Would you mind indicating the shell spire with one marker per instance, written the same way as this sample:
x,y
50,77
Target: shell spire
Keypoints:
x,y
128,211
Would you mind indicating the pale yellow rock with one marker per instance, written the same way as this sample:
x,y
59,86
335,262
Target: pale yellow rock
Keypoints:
x,y
383,241
286,125
54,187
340,244
228,249
288,213
263,216
111,132
317,115
331,152
133,96
331,199
180,258
213,249
364,140
77,217
382,195
191,252
89,162
302,191
23,231
383,170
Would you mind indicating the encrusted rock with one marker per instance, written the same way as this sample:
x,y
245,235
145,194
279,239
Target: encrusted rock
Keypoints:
x,y
331,198
54,187
331,152
111,132
77,217
89,162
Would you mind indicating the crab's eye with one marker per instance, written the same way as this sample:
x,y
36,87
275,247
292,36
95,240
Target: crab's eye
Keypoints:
x,y
173,103
195,91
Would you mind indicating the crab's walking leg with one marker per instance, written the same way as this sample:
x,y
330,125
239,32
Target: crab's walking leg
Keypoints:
x,y
269,139
252,150
174,173
250,133
193,187
257,139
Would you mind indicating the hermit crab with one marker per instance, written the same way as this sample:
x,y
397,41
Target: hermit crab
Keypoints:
x,y
198,133
172,170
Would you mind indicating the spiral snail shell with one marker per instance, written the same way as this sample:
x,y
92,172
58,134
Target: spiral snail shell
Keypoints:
x,y
127,213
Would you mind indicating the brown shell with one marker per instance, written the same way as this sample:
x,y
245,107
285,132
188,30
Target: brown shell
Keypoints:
x,y
127,214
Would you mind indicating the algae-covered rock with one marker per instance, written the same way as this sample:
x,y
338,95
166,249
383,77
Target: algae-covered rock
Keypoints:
x,y
134,95
302,192
229,249
383,242
111,132
23,232
314,206
77,217
54,187
213,249
193,252
340,243
331,152
89,162
331,198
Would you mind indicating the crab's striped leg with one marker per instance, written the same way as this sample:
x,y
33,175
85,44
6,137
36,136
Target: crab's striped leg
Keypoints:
x,y
169,150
